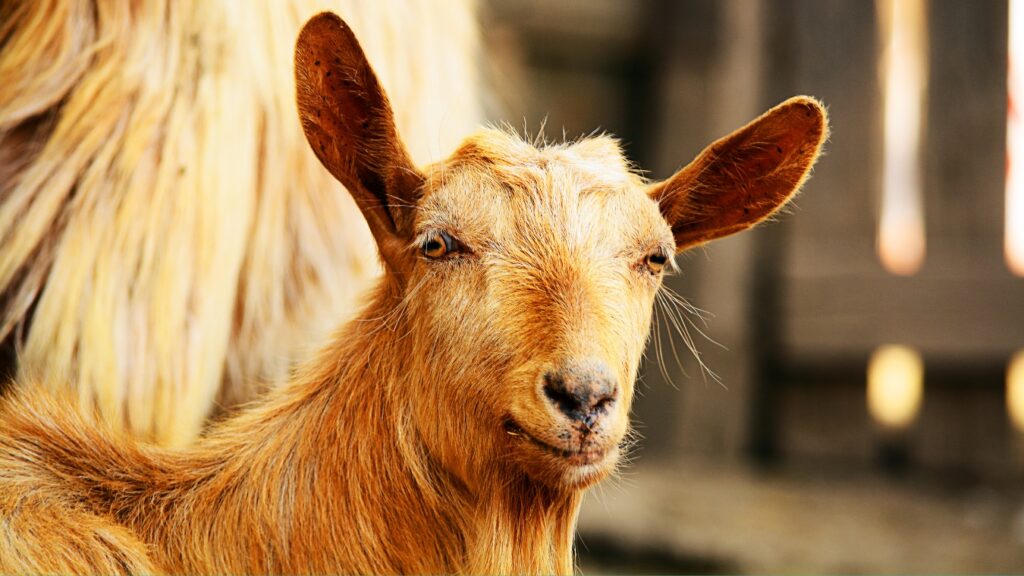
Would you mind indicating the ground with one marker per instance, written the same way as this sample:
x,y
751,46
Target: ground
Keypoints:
x,y
700,516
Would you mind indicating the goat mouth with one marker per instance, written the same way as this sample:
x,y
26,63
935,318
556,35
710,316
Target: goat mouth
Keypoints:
x,y
583,456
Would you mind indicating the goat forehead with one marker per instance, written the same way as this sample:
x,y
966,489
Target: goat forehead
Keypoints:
x,y
594,165
499,186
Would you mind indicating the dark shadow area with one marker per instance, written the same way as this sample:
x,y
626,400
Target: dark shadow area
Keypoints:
x,y
599,554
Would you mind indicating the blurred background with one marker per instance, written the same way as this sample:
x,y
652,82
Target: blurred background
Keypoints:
x,y
862,405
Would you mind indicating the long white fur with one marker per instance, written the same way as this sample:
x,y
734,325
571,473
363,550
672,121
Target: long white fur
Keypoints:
x,y
163,220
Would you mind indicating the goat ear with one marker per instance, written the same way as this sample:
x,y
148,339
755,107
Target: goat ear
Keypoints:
x,y
348,121
745,177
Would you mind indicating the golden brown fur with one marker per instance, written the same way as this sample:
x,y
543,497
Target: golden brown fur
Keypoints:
x,y
169,241
430,436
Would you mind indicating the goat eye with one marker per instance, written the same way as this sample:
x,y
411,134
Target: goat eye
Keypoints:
x,y
439,244
656,262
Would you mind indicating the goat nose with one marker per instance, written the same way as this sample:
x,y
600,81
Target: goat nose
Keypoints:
x,y
581,392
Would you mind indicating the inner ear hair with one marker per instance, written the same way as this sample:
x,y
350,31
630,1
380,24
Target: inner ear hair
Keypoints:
x,y
349,124
746,176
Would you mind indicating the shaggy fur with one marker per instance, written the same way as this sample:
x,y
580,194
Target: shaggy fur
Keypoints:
x,y
426,437
169,241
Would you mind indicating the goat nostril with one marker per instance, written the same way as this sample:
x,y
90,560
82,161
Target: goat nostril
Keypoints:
x,y
558,394
605,402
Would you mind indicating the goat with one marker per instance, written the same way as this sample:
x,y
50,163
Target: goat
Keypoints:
x,y
454,425
170,245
